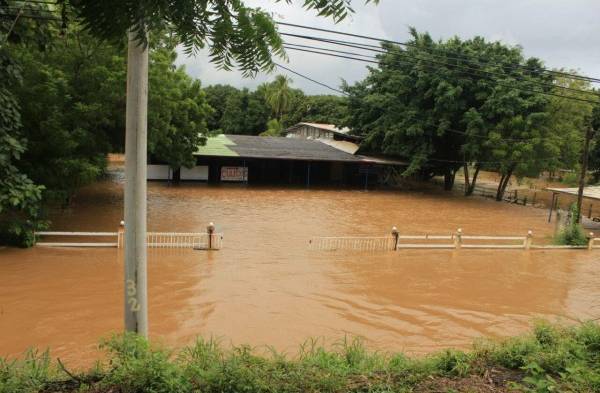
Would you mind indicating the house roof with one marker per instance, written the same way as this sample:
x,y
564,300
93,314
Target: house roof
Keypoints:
x,y
247,146
327,127
272,148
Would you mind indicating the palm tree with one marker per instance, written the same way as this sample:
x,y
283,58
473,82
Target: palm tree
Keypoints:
x,y
279,95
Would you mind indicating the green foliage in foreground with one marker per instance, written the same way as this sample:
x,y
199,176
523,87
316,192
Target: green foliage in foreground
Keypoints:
x,y
572,234
552,358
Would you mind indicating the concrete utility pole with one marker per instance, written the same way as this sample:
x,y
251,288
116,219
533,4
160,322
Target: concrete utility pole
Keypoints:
x,y
582,175
136,301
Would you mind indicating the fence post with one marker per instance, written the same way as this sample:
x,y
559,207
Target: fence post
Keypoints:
x,y
458,239
396,236
591,241
120,234
590,211
528,240
210,230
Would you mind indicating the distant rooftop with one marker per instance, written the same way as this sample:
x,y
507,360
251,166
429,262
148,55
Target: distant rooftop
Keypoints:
x,y
327,127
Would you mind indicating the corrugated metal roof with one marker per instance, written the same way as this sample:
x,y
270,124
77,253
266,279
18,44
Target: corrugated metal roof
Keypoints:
x,y
272,148
218,146
345,146
591,192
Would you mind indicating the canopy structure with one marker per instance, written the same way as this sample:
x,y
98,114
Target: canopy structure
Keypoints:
x,y
590,192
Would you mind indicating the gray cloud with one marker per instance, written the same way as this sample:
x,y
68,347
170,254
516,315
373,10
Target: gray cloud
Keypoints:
x,y
564,34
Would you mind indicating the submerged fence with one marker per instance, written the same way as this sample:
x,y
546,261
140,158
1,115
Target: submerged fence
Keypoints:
x,y
457,240
208,240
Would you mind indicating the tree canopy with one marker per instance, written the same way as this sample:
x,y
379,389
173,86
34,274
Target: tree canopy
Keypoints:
x,y
424,103
237,35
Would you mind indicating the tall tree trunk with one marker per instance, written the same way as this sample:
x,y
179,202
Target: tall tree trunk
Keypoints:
x,y
449,176
471,188
504,183
467,181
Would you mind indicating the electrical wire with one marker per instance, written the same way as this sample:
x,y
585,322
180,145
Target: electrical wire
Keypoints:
x,y
447,129
457,66
371,38
310,79
326,53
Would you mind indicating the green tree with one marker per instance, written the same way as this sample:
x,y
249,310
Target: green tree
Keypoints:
x,y
20,198
442,114
274,128
177,110
216,97
72,103
278,96
569,120
238,35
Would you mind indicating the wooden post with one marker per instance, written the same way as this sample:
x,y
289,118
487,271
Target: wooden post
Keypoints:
x,y
396,236
528,240
533,200
591,241
551,207
136,127
458,239
590,211
210,229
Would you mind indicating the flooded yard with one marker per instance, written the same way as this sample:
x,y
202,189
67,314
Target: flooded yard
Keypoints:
x,y
266,287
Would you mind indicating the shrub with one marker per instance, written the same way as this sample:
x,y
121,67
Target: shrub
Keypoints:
x,y
572,234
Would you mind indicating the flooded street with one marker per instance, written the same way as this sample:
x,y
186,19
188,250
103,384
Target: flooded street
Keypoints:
x,y
265,287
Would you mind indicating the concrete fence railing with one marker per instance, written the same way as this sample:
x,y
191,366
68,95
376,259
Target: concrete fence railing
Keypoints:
x,y
457,240
209,240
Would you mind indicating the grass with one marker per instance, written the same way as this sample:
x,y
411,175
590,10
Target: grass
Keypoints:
x,y
551,358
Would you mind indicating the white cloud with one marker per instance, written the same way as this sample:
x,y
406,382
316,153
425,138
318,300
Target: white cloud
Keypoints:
x,y
562,33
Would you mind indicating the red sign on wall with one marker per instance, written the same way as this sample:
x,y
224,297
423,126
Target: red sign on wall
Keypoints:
x,y
234,173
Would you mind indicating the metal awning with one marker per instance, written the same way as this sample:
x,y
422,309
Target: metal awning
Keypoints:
x,y
591,192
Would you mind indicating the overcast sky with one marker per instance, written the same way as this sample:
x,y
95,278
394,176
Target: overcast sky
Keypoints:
x,y
563,33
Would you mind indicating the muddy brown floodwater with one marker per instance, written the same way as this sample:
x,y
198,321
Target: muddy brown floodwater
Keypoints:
x,y
265,287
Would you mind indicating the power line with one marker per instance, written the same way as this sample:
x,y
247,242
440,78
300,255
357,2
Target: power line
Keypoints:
x,y
371,38
326,53
405,54
447,129
310,79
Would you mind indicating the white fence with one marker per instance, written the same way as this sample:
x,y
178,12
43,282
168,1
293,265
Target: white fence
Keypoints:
x,y
356,243
455,240
197,241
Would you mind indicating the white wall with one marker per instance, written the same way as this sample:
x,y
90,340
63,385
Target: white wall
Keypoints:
x,y
195,173
158,172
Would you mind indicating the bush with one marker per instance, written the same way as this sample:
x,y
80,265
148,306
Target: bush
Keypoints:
x,y
572,234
